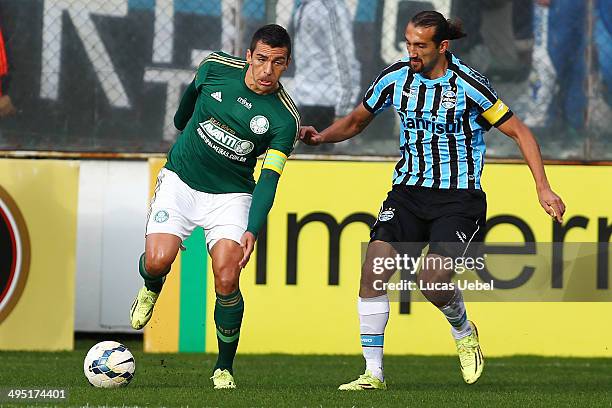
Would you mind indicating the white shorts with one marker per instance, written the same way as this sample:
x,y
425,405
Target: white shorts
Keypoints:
x,y
178,209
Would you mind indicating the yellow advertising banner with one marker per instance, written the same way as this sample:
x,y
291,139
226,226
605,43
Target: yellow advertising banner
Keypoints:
x,y
300,287
38,206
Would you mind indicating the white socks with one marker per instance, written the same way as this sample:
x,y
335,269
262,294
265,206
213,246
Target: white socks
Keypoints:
x,y
373,317
456,315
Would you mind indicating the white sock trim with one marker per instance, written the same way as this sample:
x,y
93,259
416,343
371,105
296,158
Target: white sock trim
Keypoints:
x,y
374,305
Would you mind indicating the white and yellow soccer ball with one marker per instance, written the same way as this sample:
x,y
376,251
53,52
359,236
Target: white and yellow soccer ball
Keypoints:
x,y
109,364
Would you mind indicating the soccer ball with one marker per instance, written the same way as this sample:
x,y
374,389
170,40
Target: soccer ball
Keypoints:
x,y
109,364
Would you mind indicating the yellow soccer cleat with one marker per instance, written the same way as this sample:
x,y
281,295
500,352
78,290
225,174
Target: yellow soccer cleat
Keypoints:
x,y
142,308
470,356
366,381
222,379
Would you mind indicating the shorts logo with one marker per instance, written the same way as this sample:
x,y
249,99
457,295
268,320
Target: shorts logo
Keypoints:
x,y
224,138
259,124
461,235
161,216
14,254
386,214
449,99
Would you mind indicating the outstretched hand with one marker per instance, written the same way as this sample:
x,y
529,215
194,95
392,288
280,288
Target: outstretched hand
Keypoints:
x,y
310,136
552,204
247,242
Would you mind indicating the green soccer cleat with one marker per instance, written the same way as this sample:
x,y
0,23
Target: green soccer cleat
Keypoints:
x,y
366,381
222,379
470,356
142,308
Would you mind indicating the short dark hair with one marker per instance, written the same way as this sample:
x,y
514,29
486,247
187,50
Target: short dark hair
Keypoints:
x,y
273,35
445,29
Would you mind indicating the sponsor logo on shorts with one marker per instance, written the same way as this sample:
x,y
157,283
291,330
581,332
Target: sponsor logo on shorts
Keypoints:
x,y
386,214
461,235
449,99
259,124
161,216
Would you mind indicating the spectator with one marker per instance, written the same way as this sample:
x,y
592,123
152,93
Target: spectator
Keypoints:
x,y
500,40
567,50
327,73
603,43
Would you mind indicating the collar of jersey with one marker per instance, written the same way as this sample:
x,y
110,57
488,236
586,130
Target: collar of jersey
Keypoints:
x,y
443,78
428,81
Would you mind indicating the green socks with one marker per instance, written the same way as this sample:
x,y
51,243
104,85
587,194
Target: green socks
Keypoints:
x,y
228,318
152,283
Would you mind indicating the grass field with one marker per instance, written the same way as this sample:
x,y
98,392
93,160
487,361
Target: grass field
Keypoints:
x,y
174,380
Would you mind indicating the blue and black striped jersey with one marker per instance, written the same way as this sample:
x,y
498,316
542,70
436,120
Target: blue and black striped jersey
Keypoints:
x,y
443,121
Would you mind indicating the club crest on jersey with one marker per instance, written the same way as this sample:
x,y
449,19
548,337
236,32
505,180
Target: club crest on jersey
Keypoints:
x,y
259,124
449,99
386,214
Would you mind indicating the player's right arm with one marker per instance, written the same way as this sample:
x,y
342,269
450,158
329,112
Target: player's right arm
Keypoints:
x,y
188,101
342,129
186,106
377,98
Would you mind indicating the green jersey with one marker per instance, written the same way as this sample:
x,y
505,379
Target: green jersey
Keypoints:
x,y
229,128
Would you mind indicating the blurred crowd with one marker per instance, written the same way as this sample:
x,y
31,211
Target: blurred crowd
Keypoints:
x,y
559,50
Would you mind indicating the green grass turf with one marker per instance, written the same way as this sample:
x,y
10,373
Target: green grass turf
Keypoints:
x,y
175,380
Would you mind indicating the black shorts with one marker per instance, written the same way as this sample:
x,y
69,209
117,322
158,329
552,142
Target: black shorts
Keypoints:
x,y
449,220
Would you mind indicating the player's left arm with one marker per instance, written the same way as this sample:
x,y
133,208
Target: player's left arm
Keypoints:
x,y
522,135
493,112
265,189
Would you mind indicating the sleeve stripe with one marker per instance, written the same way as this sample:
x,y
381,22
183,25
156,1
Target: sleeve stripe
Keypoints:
x,y
219,60
284,98
275,160
387,92
482,89
289,103
495,112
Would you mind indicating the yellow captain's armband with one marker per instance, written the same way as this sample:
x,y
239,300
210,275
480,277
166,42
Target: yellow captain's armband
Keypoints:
x,y
495,112
275,160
